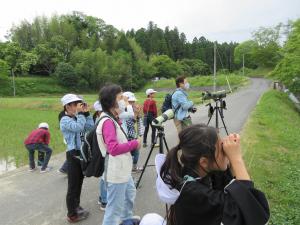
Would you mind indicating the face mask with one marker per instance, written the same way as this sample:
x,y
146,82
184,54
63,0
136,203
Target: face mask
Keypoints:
x,y
187,86
121,105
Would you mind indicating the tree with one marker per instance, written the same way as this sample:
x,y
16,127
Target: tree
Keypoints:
x,y
165,67
194,67
247,49
288,68
266,51
66,75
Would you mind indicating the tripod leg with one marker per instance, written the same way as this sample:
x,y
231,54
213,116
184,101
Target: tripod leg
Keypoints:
x,y
166,144
211,116
145,165
221,115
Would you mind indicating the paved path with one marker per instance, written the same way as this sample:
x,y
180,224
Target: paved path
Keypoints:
x,y
39,199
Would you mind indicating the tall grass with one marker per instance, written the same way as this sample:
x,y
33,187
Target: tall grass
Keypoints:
x,y
271,143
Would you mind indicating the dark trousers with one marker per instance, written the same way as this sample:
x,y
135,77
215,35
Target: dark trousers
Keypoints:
x,y
41,148
147,124
75,180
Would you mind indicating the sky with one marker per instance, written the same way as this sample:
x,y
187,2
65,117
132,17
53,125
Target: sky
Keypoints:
x,y
217,20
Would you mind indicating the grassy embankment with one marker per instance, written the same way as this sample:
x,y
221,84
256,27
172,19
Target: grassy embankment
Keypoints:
x,y
271,144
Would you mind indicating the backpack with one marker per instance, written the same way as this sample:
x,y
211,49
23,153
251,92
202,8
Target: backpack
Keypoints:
x,y
92,161
167,104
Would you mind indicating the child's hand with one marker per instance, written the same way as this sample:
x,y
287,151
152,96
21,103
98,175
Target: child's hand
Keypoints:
x,y
231,146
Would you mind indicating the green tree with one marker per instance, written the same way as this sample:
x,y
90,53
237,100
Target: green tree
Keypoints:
x,y
288,68
247,49
165,67
66,75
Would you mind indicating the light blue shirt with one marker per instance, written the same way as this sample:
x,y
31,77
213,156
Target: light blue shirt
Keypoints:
x,y
72,127
181,104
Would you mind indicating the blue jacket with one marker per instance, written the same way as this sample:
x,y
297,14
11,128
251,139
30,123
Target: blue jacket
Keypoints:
x,y
180,99
71,127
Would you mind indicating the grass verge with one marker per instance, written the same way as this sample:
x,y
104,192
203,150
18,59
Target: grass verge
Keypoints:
x,y
271,144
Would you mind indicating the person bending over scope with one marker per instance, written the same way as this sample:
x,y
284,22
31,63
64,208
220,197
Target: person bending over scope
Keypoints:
x,y
194,179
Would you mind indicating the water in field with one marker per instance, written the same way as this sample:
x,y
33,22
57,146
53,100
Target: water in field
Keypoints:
x,y
15,126
7,165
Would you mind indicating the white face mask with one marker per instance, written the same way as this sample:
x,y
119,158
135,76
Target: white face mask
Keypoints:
x,y
187,86
122,105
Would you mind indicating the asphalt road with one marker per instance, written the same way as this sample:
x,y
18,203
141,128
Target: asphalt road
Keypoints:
x,y
39,199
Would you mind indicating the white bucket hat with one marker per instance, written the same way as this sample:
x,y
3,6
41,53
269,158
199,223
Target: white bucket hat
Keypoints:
x,y
44,125
150,91
131,97
68,98
97,106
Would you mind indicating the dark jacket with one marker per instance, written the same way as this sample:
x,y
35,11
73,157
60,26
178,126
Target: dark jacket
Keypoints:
x,y
206,202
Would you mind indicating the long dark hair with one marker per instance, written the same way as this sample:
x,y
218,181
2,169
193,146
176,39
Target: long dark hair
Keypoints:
x,y
107,98
195,142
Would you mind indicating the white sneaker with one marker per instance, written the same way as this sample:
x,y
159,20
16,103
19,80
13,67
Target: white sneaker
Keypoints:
x,y
46,170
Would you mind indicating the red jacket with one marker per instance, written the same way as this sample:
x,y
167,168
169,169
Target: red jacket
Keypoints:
x,y
150,106
38,136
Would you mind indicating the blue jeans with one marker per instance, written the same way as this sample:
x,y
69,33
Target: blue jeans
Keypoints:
x,y
103,191
135,156
120,202
41,148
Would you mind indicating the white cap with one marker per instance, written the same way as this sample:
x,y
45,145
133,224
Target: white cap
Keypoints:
x,y
68,98
152,219
44,125
150,91
131,97
97,106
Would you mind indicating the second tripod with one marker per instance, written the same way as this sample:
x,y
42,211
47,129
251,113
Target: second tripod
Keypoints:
x,y
218,111
162,141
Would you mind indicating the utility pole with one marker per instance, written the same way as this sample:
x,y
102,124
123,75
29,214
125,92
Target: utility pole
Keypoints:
x,y
243,64
13,80
215,66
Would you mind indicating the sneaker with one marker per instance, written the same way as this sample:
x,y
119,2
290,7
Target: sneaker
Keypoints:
x,y
81,210
62,171
32,169
78,217
145,145
102,205
46,170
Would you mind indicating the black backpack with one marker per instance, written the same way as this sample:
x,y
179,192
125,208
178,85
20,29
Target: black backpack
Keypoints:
x,y
167,104
92,161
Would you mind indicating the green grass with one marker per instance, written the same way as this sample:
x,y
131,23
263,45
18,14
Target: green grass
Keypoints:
x,y
271,144
38,86
201,81
259,72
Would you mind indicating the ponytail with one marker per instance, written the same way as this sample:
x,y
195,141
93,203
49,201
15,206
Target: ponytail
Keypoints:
x,y
171,170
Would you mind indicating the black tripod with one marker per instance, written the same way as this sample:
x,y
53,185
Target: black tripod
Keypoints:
x,y
218,110
162,141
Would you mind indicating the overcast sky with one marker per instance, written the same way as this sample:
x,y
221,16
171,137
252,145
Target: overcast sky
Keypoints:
x,y
221,20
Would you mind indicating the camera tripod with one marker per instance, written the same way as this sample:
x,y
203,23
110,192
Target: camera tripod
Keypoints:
x,y
218,110
162,141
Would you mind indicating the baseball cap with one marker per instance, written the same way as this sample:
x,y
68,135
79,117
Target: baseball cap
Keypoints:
x,y
150,91
131,97
97,106
68,98
44,125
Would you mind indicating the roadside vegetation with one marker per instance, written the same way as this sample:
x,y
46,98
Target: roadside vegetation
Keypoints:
x,y
271,145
